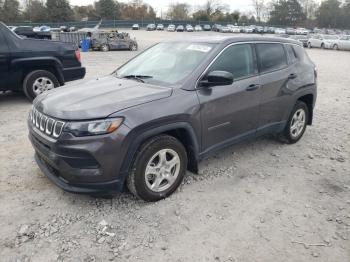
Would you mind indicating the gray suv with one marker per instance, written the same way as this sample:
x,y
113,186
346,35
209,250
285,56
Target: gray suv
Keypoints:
x,y
162,112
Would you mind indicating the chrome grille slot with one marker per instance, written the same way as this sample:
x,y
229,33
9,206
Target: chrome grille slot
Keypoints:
x,y
46,124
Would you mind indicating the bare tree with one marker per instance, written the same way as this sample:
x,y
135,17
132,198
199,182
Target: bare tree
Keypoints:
x,y
259,6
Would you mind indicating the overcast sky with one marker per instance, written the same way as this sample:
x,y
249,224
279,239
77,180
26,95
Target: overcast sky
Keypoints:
x,y
161,5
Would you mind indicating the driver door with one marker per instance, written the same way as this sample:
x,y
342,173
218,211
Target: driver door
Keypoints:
x,y
230,112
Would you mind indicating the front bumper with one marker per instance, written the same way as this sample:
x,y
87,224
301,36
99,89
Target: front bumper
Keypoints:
x,y
73,73
82,164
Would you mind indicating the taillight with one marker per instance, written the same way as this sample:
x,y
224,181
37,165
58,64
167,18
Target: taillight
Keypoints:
x,y
78,55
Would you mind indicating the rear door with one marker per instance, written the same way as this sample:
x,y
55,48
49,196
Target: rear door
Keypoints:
x,y
274,77
231,111
4,63
344,43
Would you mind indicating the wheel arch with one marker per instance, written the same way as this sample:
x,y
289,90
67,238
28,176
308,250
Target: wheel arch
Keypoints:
x,y
27,65
308,99
182,131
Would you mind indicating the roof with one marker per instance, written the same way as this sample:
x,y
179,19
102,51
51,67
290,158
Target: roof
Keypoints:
x,y
235,39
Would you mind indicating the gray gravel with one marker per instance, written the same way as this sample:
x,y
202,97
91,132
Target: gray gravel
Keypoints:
x,y
258,201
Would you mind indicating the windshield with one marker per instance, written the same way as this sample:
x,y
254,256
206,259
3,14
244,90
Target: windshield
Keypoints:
x,y
165,62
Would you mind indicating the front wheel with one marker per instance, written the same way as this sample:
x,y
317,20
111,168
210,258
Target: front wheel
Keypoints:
x,y
38,82
296,124
104,48
335,47
133,47
158,168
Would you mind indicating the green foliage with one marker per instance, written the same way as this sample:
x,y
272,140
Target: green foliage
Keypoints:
x,y
106,9
9,11
59,11
287,13
329,14
35,12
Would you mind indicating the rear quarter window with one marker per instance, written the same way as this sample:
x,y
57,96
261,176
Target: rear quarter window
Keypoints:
x,y
292,57
3,44
271,57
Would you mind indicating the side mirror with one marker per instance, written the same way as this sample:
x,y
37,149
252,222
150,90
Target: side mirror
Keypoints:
x,y
217,78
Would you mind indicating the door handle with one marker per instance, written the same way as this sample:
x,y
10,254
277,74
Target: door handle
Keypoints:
x,y
252,87
292,76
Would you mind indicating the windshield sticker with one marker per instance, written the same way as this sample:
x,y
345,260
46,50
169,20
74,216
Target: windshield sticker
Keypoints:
x,y
200,48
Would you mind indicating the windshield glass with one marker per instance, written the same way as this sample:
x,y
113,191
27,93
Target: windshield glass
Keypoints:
x,y
166,62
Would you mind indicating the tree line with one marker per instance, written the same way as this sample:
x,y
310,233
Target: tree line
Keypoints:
x,y
308,13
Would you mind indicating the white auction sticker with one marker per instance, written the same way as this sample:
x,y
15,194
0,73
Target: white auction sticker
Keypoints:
x,y
200,48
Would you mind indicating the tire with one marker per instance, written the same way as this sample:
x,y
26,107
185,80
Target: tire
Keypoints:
x,y
105,48
288,135
32,83
133,47
335,47
322,46
153,187
309,45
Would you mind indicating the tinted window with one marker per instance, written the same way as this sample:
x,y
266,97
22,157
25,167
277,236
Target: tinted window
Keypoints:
x,y
271,57
291,54
236,59
3,44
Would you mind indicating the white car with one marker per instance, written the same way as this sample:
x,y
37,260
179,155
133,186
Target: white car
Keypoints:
x,y
322,41
248,29
343,43
280,31
189,28
198,28
235,29
225,29
302,31
171,28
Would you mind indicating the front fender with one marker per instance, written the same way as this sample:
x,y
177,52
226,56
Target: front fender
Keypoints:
x,y
136,138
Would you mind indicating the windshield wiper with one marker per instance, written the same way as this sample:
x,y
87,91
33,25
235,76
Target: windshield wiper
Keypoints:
x,y
137,77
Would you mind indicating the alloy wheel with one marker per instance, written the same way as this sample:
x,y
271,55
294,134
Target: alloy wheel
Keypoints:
x,y
298,123
162,170
42,84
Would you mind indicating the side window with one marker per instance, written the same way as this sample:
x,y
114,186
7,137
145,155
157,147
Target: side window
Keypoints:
x,y
271,57
237,59
3,44
291,54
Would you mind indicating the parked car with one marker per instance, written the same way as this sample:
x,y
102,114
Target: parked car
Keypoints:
x,y
171,28
302,31
225,29
280,31
290,31
249,29
180,28
27,31
160,27
189,28
162,112
198,28
343,43
108,41
322,41
235,29
206,28
301,38
35,66
135,27
216,28
151,27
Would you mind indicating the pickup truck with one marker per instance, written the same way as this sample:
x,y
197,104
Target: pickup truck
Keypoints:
x,y
29,32
35,66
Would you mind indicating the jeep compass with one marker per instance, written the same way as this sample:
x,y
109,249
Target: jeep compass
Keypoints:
x,y
159,114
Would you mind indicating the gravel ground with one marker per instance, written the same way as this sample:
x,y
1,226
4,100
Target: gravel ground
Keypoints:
x,y
258,201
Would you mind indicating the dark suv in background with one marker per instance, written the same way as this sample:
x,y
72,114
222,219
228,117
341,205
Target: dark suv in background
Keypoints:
x,y
35,66
171,106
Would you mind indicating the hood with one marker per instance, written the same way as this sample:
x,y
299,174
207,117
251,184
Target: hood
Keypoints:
x,y
97,98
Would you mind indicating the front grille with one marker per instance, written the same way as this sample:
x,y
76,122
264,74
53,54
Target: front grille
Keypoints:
x,y
45,124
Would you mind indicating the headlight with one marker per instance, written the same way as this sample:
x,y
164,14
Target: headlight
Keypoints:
x,y
93,128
